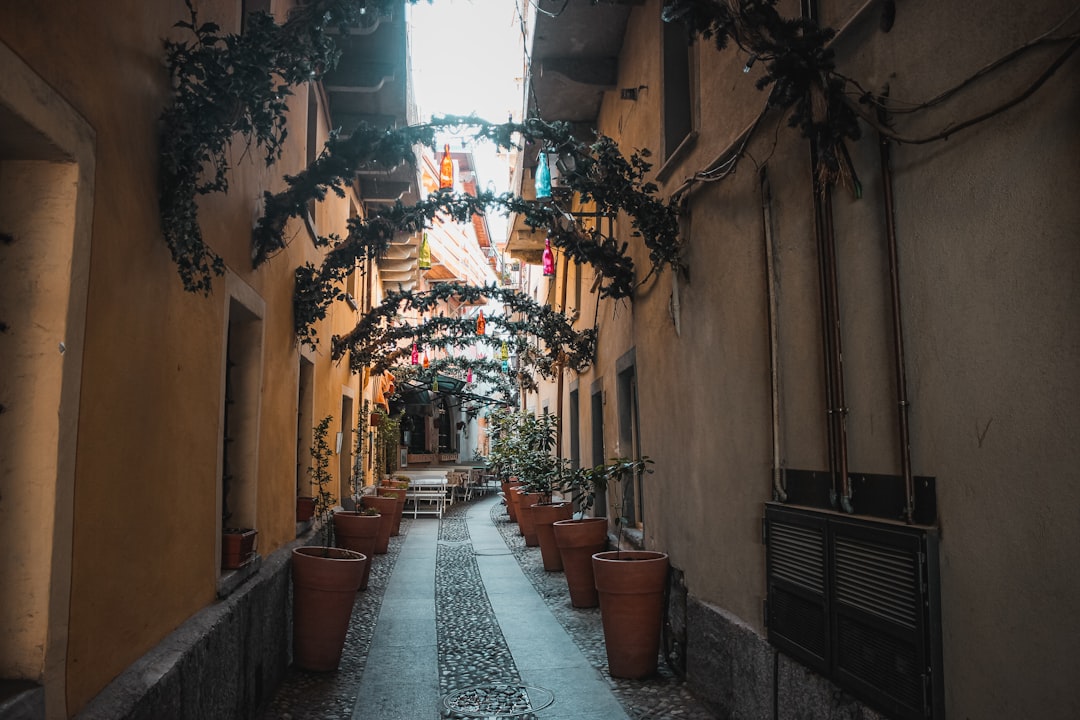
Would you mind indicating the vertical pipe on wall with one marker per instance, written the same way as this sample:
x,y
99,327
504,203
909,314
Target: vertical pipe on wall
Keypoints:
x,y
900,364
779,493
839,409
830,314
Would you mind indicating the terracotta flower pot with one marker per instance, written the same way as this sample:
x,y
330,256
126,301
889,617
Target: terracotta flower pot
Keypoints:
x,y
305,508
510,496
325,581
525,502
386,507
359,533
399,495
578,541
237,547
544,515
631,586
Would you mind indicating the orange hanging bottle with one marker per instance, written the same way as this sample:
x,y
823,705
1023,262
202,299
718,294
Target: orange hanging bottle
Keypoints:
x,y
446,170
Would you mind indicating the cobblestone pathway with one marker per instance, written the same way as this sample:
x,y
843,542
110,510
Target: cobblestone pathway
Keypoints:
x,y
471,647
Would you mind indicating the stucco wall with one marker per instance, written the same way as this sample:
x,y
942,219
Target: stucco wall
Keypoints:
x,y
146,525
988,265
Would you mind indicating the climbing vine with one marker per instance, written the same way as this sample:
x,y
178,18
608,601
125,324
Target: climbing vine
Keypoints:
x,y
226,85
381,341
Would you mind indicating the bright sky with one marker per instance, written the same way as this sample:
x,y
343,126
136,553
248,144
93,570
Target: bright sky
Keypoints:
x,y
467,60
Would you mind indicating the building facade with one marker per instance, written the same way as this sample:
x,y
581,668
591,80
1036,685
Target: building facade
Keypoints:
x,y
140,420
859,399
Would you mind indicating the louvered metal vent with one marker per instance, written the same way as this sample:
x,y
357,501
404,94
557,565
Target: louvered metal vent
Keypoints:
x,y
857,601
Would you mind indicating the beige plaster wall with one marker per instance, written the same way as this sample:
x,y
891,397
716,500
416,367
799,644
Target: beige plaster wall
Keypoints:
x,y
988,266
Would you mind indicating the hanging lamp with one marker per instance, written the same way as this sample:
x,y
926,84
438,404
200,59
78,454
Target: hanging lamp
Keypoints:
x,y
543,178
424,262
446,170
549,259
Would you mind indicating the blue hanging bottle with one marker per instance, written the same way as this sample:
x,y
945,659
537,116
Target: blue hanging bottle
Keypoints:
x,y
543,178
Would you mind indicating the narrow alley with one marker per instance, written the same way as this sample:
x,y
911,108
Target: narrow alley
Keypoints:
x,y
462,603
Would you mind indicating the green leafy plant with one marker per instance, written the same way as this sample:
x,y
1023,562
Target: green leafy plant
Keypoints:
x,y
320,475
585,484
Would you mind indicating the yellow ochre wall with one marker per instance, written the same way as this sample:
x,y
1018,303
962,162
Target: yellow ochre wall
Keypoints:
x,y
143,545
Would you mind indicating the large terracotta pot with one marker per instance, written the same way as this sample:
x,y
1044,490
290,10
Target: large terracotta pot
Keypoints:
x,y
386,507
525,501
399,495
325,581
358,533
578,541
631,585
543,516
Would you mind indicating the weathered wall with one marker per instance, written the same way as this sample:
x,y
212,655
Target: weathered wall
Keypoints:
x,y
146,529
988,266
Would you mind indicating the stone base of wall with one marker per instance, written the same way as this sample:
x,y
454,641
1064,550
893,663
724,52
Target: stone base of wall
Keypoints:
x,y
224,662
737,674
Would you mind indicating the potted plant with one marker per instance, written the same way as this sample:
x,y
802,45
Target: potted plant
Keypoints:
x,y
358,529
630,585
541,475
325,578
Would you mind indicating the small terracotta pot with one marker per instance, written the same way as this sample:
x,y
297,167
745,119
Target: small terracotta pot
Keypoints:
x,y
305,508
359,533
237,547
386,507
631,586
526,525
325,581
578,541
544,515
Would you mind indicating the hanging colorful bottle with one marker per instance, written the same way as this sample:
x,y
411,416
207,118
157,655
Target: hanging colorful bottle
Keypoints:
x,y
424,262
468,376
415,355
446,170
435,384
480,324
543,178
426,363
549,258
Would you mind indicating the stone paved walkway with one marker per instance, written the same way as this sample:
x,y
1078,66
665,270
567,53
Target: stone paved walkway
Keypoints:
x,y
470,640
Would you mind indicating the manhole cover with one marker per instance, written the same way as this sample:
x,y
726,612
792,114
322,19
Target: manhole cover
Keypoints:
x,y
498,701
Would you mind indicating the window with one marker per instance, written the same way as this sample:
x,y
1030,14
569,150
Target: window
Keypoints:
x,y
240,416
597,412
629,438
575,429
345,455
304,423
312,148
678,119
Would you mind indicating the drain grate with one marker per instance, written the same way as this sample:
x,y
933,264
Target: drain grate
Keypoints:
x,y
498,701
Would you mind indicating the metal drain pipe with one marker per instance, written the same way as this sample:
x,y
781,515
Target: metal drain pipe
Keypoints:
x,y
779,493
839,410
830,318
900,364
